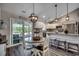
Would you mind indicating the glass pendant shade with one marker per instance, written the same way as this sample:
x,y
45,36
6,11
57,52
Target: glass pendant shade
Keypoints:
x,y
67,17
56,19
33,17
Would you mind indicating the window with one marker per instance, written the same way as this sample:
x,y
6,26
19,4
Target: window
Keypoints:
x,y
27,31
17,31
20,31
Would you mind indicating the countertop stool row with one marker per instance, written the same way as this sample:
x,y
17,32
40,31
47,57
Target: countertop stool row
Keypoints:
x,y
67,46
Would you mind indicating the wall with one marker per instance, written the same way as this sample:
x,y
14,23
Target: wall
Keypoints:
x,y
73,18
0,12
5,16
5,30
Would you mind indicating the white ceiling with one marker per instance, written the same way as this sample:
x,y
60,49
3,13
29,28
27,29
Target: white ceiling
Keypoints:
x,y
41,9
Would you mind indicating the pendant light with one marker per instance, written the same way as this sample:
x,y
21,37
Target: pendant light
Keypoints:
x,y
56,19
33,16
67,17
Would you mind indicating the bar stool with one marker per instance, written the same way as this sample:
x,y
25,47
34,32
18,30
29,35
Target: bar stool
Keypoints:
x,y
62,44
52,42
70,47
56,42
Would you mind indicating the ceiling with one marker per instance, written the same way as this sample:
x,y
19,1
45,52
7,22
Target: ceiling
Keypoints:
x,y
46,11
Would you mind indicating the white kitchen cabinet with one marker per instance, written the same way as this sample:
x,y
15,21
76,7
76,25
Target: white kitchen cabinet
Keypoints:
x,y
2,49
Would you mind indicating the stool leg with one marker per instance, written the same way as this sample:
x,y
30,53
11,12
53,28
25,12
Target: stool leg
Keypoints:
x,y
57,42
78,49
67,46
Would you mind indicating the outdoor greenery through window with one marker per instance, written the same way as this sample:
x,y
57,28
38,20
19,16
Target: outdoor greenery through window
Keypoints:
x,y
17,31
17,28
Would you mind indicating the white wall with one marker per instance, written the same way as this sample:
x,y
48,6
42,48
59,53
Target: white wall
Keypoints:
x,y
2,49
73,18
0,12
5,16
